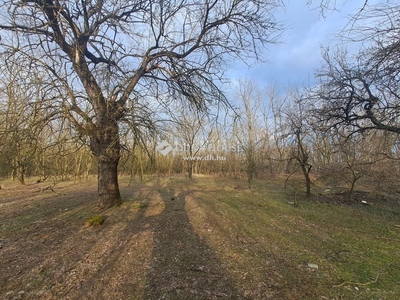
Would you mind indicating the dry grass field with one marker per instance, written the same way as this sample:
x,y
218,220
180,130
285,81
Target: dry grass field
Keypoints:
x,y
210,238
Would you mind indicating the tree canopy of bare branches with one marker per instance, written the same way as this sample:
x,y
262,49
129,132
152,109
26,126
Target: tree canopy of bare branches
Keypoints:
x,y
101,57
362,92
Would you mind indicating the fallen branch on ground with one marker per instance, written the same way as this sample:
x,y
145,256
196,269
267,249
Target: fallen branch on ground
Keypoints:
x,y
358,283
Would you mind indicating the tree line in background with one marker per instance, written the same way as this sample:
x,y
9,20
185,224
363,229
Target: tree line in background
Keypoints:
x,y
269,132
75,100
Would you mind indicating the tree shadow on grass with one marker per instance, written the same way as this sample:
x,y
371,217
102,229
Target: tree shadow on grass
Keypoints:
x,y
183,266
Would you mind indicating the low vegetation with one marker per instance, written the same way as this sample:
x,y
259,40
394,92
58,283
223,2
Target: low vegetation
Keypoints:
x,y
95,220
209,238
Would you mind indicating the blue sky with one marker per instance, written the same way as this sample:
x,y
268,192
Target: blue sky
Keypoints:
x,y
295,59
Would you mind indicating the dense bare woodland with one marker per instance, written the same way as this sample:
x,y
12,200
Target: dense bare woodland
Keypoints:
x,y
208,187
267,134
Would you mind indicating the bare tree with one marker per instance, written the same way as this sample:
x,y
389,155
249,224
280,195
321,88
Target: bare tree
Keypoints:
x,y
24,118
352,164
247,123
190,136
362,92
279,129
99,55
299,135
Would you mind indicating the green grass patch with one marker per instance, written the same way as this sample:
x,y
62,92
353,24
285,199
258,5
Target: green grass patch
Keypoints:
x,y
356,247
95,220
138,205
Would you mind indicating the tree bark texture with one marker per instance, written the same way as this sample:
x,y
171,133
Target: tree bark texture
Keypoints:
x,y
106,147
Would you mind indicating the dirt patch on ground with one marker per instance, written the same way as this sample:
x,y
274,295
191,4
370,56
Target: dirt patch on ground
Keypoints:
x,y
347,198
342,198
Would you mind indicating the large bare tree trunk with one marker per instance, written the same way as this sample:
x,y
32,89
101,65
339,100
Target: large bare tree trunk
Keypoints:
x,y
108,188
106,147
